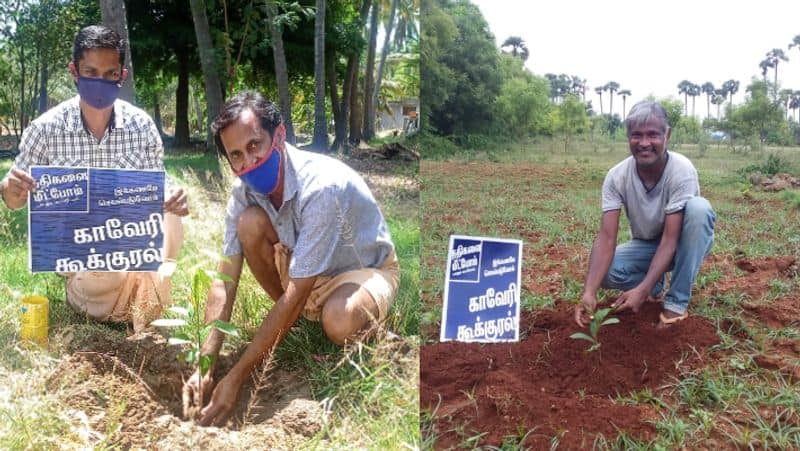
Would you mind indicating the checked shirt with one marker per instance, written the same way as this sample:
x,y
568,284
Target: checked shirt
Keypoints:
x,y
59,138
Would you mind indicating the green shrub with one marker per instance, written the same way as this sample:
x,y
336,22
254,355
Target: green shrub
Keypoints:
x,y
773,165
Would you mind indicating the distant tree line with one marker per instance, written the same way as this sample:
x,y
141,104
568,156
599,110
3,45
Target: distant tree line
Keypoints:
x,y
475,93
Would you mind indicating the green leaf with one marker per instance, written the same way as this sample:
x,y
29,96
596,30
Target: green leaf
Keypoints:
x,y
190,356
594,326
200,281
581,336
601,314
181,336
226,328
168,322
593,347
223,277
205,364
610,321
178,310
178,341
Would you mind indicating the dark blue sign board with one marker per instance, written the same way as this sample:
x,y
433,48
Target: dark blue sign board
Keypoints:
x,y
482,290
91,219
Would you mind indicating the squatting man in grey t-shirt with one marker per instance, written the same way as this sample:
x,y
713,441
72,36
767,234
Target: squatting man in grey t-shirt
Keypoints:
x,y
672,227
312,234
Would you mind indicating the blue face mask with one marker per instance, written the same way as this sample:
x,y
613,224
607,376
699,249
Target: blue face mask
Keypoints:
x,y
97,92
263,176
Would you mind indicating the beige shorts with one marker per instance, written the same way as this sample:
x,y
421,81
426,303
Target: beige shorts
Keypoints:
x,y
381,283
140,297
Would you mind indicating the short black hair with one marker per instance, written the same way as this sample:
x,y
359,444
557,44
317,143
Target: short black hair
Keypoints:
x,y
267,113
97,37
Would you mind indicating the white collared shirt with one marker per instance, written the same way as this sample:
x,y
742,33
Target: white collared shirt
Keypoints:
x,y
59,138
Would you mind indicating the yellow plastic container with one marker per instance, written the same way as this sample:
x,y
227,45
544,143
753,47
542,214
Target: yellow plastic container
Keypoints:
x,y
35,319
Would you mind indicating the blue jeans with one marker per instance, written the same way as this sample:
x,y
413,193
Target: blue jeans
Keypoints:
x,y
632,259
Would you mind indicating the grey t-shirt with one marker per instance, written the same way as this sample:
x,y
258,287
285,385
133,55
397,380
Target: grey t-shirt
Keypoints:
x,y
329,218
647,209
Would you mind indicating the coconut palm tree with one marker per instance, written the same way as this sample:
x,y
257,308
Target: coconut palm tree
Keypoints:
x,y
694,91
764,65
731,87
718,99
794,102
774,57
624,93
611,87
708,90
320,140
518,47
369,73
578,86
205,48
599,90
274,21
795,42
683,88
384,53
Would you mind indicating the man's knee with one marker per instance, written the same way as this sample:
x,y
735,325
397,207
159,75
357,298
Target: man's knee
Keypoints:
x,y
254,226
698,211
348,311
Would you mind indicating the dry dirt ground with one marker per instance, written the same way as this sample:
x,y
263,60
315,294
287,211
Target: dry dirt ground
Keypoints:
x,y
128,391
546,385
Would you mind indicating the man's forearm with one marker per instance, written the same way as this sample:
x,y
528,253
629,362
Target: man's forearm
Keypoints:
x,y
219,306
599,262
275,326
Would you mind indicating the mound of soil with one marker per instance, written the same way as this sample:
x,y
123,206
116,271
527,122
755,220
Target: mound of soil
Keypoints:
x,y
548,382
128,392
759,273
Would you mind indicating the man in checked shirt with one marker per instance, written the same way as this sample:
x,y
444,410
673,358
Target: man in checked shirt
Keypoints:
x,y
96,129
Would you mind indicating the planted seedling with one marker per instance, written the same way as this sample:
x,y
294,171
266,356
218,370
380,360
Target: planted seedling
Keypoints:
x,y
194,329
598,320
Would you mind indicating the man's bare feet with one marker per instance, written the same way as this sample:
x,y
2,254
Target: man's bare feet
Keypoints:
x,y
668,318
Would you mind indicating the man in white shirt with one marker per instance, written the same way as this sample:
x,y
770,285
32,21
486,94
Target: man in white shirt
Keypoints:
x,y
671,225
96,129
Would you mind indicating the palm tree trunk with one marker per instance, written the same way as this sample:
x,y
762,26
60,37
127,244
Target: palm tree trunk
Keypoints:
x,y
182,101
623,107
350,83
320,141
339,121
356,112
686,103
43,87
157,116
113,15
384,53
208,62
369,77
611,103
281,72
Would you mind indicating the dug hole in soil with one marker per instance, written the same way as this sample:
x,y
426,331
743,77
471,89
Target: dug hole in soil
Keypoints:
x,y
549,384
128,392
